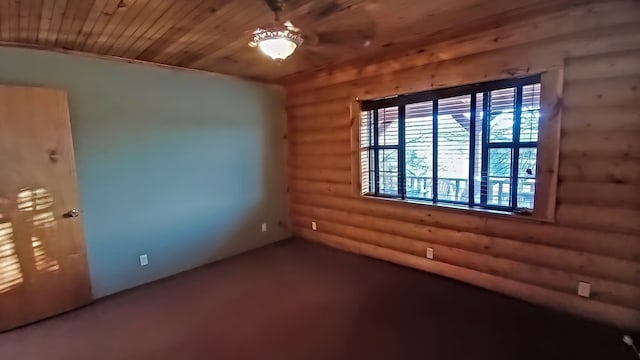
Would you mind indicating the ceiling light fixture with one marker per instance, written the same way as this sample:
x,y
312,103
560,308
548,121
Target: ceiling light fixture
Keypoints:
x,y
278,42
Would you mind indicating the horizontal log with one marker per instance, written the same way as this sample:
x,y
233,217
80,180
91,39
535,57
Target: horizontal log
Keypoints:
x,y
622,246
607,118
335,108
509,62
614,145
323,175
321,135
617,64
328,148
626,221
611,314
586,19
602,92
331,162
317,187
534,254
607,291
476,68
319,122
616,171
607,195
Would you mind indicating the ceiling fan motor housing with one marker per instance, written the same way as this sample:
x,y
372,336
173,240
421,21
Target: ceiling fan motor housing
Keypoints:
x,y
277,6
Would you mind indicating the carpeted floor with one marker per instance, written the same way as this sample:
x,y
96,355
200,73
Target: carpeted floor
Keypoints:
x,y
299,300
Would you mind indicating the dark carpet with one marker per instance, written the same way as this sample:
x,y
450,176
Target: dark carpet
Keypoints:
x,y
299,300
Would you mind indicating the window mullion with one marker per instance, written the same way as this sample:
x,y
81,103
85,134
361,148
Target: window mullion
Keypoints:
x,y
516,148
435,151
472,150
376,154
370,151
402,165
486,122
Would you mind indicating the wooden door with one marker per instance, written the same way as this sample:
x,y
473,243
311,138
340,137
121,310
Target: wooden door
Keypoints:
x,y
43,265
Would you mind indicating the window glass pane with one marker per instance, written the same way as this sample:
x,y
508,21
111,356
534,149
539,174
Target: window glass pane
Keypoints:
x,y
498,183
454,121
419,149
477,166
388,172
388,126
526,177
502,106
530,113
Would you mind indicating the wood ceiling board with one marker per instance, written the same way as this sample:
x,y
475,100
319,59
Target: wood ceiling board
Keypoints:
x,y
100,19
126,22
212,35
55,24
4,20
90,21
158,8
211,22
159,28
170,35
75,15
45,19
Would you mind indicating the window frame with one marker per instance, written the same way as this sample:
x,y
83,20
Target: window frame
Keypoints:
x,y
547,158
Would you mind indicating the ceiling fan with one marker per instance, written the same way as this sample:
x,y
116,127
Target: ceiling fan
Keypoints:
x,y
349,26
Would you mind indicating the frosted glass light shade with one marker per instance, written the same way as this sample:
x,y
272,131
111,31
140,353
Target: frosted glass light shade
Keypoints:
x,y
277,48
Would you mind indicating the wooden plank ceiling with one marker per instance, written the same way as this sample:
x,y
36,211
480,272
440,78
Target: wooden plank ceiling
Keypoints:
x,y
212,35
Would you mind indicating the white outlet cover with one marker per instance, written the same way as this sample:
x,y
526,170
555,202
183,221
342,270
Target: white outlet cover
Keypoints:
x,y
430,253
584,289
314,226
144,260
264,227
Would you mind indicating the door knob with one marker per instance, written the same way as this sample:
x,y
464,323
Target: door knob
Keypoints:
x,y
72,213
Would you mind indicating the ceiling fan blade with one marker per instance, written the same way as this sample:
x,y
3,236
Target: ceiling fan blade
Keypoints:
x,y
350,38
323,9
315,12
337,23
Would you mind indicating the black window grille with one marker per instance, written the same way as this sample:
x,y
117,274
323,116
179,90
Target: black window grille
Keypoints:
x,y
473,145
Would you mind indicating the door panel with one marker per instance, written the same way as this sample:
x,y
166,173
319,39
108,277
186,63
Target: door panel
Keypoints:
x,y
43,265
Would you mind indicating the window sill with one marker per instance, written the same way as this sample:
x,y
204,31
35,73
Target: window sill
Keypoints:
x,y
462,209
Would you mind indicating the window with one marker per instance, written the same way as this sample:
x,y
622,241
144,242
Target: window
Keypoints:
x,y
473,145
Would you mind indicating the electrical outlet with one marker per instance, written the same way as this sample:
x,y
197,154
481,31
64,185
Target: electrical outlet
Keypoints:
x,y
144,260
314,226
264,227
584,289
430,253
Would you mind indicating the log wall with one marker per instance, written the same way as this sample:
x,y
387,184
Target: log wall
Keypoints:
x,y
595,236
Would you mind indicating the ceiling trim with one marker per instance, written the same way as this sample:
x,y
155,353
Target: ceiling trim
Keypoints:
x,y
8,44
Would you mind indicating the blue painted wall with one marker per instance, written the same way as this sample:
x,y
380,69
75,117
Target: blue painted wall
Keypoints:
x,y
183,167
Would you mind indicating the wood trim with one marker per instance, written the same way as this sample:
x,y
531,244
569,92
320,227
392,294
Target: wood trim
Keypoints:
x,y
356,168
548,150
548,159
